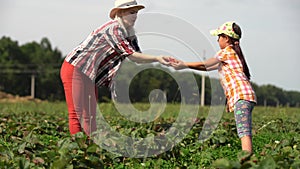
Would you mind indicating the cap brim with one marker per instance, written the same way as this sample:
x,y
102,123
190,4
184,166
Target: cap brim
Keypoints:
x,y
114,11
214,32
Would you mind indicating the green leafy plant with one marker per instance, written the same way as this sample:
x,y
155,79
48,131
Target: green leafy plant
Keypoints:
x,y
36,136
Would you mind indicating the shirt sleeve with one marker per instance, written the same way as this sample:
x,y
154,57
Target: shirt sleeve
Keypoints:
x,y
115,36
222,55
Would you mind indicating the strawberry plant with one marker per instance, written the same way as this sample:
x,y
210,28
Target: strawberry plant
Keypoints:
x,y
35,135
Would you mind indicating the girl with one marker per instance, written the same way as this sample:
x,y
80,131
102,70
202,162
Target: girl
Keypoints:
x,y
95,62
234,77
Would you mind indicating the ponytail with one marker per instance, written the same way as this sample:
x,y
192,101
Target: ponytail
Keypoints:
x,y
238,50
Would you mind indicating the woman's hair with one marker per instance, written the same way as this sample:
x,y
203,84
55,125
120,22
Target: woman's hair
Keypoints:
x,y
238,50
130,31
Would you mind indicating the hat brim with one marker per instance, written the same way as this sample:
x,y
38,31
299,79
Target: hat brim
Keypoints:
x,y
114,11
215,32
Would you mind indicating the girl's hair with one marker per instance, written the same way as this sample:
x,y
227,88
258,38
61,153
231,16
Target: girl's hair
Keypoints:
x,y
238,50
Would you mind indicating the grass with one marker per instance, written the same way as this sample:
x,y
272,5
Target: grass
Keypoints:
x,y
35,135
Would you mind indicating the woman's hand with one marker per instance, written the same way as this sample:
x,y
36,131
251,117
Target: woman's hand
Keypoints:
x,y
165,60
144,58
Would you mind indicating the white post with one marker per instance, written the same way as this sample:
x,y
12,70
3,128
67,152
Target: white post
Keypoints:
x,y
32,85
203,90
203,85
265,103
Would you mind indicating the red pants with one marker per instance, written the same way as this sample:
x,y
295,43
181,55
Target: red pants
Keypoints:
x,y
81,99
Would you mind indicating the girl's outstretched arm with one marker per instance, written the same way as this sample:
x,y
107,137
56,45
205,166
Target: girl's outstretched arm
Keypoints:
x,y
207,65
214,67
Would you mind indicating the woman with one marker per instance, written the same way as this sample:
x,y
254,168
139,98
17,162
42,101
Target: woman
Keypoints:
x,y
95,62
235,78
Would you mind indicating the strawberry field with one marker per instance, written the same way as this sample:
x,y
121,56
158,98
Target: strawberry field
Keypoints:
x,y
35,135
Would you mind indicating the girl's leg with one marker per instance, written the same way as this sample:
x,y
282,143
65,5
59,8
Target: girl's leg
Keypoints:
x,y
243,117
247,143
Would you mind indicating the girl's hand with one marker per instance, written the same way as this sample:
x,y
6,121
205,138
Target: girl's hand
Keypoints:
x,y
178,64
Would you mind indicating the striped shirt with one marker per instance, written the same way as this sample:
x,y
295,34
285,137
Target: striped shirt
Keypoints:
x,y
100,55
233,79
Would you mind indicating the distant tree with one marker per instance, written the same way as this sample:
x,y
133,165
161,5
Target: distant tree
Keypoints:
x,y
13,63
45,64
271,95
293,98
19,63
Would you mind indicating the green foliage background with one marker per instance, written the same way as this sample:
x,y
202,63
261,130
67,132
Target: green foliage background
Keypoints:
x,y
19,62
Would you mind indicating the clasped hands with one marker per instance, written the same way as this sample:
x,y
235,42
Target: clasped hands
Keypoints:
x,y
171,61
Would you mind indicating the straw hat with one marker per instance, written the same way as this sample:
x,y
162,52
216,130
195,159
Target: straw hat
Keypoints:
x,y
124,4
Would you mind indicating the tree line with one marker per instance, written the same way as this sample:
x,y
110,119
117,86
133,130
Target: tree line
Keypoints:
x,y
19,63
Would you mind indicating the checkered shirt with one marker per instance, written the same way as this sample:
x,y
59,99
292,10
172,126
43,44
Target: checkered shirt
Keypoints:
x,y
100,55
233,80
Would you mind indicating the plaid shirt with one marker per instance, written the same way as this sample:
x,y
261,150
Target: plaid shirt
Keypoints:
x,y
100,55
233,79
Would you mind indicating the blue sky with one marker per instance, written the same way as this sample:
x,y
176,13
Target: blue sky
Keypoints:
x,y
270,29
